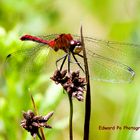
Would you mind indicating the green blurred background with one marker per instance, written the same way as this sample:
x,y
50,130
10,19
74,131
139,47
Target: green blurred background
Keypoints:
x,y
112,104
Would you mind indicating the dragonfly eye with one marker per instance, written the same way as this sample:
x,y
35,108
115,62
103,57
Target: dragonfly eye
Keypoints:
x,y
78,47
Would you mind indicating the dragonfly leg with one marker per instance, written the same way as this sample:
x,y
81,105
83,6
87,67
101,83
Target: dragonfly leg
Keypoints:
x,y
69,61
77,61
64,59
80,55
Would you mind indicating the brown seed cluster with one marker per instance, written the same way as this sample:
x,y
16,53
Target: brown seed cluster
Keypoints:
x,y
73,84
32,122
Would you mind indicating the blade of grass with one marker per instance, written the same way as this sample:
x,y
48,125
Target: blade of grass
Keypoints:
x,y
88,96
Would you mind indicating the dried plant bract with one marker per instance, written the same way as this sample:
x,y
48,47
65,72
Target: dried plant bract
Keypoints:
x,y
32,122
72,83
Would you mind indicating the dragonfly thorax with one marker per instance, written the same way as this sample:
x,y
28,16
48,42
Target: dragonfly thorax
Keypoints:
x,y
76,46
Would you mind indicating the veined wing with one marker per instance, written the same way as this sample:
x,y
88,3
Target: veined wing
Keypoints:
x,y
118,51
109,70
105,59
24,60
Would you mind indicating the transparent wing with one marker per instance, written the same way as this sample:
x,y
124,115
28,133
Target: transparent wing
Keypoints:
x,y
107,59
22,59
34,58
37,60
106,69
49,37
110,49
114,50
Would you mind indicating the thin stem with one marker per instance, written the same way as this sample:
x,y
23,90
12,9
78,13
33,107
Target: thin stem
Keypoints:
x,y
36,112
88,96
33,102
38,134
71,117
42,134
71,103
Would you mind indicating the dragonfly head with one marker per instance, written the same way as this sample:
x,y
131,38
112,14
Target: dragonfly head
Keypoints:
x,y
76,46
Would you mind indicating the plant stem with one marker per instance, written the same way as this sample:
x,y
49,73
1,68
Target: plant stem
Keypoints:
x,y
36,112
38,134
71,117
70,102
88,94
42,134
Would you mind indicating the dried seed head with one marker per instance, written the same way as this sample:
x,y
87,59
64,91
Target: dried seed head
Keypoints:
x,y
59,77
32,122
73,84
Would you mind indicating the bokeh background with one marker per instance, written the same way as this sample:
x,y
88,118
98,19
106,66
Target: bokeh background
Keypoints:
x,y
112,104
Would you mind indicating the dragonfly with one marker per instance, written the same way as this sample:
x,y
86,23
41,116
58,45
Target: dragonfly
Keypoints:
x,y
104,57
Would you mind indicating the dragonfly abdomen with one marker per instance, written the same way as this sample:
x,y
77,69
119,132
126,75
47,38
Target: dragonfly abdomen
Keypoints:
x,y
34,39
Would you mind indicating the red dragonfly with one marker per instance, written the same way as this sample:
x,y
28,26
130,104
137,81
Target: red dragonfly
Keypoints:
x,y
103,56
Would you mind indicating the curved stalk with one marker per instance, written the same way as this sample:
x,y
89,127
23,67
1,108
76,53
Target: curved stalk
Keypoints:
x,y
88,94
